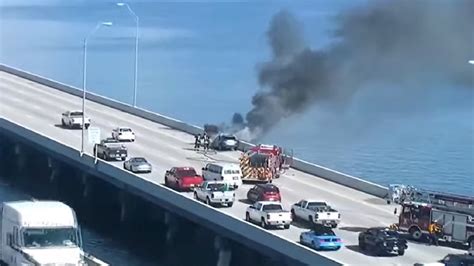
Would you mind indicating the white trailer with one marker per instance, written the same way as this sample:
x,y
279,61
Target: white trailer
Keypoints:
x,y
40,233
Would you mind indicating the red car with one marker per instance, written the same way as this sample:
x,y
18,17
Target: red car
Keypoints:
x,y
182,178
264,192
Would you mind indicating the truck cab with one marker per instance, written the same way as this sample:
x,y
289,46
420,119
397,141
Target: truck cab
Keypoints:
x,y
39,233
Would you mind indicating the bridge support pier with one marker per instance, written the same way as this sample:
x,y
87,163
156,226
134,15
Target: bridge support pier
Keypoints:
x,y
171,223
224,255
85,185
53,170
124,206
19,153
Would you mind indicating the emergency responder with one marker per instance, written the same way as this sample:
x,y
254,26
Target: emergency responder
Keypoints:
x,y
197,141
206,142
435,231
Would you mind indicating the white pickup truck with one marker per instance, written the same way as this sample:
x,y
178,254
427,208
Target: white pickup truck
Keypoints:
x,y
215,193
268,213
73,119
316,212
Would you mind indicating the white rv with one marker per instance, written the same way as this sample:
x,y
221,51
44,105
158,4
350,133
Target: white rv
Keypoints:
x,y
41,233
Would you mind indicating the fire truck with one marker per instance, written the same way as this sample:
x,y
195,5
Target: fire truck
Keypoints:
x,y
263,163
454,213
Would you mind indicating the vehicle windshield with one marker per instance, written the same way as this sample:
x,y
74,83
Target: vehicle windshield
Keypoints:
x,y
125,130
228,137
50,237
76,113
324,231
271,189
317,205
232,172
139,160
188,173
114,145
216,186
272,207
389,233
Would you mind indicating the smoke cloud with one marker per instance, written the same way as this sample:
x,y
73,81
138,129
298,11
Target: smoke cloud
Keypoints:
x,y
403,44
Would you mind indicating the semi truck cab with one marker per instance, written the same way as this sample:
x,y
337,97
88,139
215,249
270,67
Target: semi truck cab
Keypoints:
x,y
39,233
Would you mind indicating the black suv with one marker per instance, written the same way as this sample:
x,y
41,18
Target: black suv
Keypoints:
x,y
382,241
109,149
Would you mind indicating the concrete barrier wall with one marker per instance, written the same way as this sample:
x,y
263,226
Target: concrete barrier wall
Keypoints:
x,y
225,224
320,171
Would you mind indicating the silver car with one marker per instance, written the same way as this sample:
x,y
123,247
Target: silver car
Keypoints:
x,y
137,165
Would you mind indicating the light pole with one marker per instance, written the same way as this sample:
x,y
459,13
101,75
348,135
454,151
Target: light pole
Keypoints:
x,y
84,78
136,50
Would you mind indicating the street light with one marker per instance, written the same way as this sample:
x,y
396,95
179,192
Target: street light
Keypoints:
x,y
471,62
84,78
136,51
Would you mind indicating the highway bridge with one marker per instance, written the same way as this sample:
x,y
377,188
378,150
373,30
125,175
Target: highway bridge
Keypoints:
x,y
38,108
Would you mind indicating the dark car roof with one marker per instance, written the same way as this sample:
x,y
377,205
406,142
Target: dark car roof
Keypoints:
x,y
268,187
323,231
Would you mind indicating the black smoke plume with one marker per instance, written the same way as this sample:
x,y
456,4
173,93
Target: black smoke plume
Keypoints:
x,y
397,43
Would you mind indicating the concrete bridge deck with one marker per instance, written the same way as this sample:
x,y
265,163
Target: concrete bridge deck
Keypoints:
x,y
39,107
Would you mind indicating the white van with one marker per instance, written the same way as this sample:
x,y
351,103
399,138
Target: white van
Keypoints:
x,y
41,233
227,172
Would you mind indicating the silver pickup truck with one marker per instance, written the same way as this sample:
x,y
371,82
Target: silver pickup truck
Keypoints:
x,y
215,193
73,119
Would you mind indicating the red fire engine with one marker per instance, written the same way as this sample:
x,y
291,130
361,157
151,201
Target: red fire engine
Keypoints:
x,y
263,163
454,213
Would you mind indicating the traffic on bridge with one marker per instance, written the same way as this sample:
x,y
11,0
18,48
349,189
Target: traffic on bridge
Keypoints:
x,y
258,186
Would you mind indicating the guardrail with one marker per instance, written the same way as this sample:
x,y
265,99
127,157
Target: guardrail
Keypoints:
x,y
317,170
92,261
222,223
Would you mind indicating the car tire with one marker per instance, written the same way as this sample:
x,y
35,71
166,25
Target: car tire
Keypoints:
x,y
196,196
362,245
310,220
208,201
87,126
286,226
415,233
247,217
333,225
401,252
62,123
470,243
263,223
230,204
313,244
123,158
293,215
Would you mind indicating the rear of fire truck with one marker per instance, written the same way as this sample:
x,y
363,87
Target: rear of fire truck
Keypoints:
x,y
263,163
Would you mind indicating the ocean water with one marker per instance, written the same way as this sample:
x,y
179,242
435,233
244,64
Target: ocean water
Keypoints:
x,y
198,62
